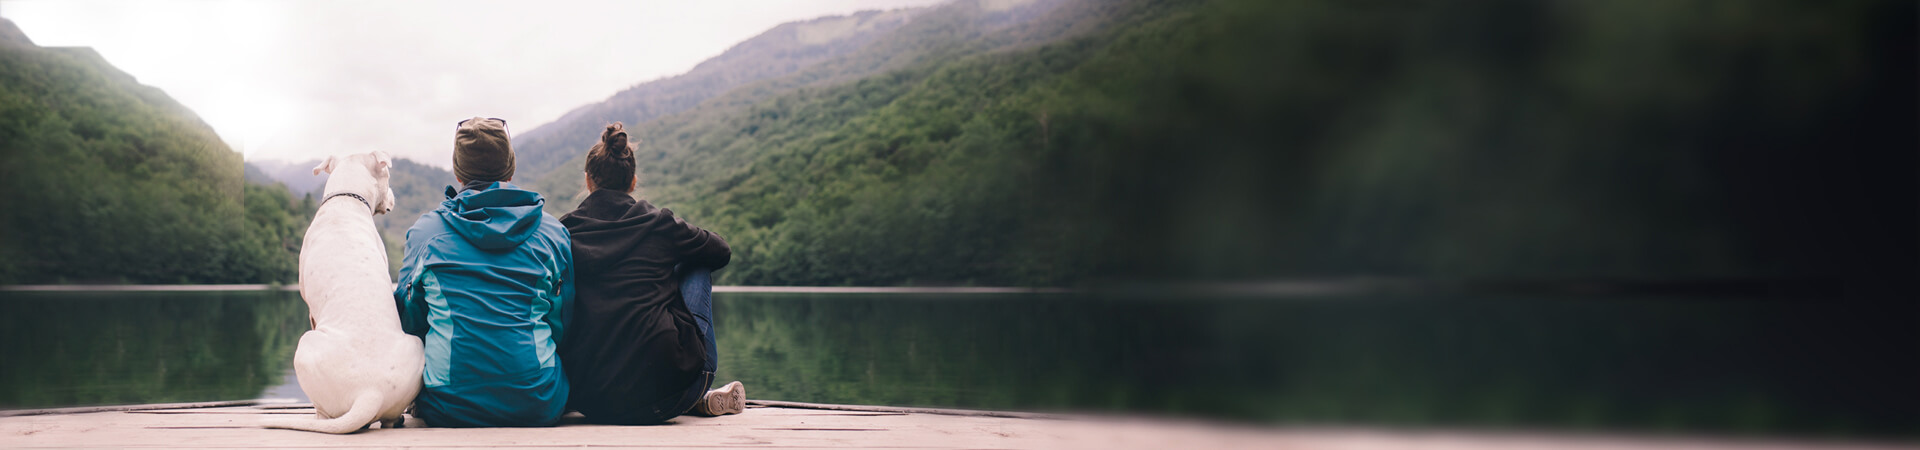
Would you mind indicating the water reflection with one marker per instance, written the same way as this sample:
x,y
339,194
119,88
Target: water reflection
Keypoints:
x,y
69,349
286,390
1587,363
1744,366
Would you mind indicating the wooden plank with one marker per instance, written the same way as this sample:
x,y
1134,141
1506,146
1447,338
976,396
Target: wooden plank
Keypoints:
x,y
766,426
749,289
821,429
147,287
909,410
223,411
888,290
108,408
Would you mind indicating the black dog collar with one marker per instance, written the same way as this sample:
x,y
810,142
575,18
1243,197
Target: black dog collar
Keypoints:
x,y
363,200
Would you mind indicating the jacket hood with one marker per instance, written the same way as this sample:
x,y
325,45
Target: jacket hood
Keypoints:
x,y
613,222
498,216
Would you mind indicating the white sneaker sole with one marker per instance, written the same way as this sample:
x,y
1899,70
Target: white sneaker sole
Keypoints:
x,y
730,399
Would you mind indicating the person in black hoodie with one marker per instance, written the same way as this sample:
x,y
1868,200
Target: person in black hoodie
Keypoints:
x,y
640,347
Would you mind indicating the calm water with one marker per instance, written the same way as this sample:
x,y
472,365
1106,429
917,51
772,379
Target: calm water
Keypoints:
x,y
1718,365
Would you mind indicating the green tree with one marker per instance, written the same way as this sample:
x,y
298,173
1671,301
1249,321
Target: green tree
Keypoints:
x,y
112,181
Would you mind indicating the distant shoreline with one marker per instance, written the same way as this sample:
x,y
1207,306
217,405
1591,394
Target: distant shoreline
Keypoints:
x,y
743,289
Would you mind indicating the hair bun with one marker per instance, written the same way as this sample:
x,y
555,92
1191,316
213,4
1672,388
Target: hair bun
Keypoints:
x,y
615,139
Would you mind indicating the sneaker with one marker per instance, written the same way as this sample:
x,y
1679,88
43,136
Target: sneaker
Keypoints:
x,y
729,399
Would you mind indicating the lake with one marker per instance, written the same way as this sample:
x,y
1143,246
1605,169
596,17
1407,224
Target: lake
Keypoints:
x,y
1711,364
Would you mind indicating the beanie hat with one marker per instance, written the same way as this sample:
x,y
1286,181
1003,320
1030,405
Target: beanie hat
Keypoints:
x,y
481,151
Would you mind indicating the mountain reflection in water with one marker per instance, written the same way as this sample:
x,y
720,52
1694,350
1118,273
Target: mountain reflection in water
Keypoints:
x,y
1705,364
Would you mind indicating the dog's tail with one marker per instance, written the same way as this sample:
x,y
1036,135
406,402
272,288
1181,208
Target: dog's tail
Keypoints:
x,y
364,409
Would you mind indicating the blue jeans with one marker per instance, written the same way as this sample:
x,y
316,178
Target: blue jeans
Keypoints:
x,y
696,288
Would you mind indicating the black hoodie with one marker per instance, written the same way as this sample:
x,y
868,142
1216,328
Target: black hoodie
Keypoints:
x,y
632,343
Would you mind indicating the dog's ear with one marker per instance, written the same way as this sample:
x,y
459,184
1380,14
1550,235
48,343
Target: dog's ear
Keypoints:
x,y
382,161
325,166
387,204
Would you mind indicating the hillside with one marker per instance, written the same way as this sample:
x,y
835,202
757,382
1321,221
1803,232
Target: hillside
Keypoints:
x,y
417,188
777,52
823,51
1231,139
142,190
297,176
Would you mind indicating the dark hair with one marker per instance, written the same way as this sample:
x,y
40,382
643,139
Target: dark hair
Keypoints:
x,y
610,162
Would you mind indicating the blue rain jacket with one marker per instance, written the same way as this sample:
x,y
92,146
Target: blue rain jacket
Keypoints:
x,y
486,283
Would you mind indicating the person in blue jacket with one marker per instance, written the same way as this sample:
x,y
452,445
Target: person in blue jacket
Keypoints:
x,y
487,284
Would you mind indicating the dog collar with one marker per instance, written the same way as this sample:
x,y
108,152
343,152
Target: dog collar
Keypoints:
x,y
363,200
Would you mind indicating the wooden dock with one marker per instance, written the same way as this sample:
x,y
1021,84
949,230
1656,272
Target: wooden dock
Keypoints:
x,y
775,425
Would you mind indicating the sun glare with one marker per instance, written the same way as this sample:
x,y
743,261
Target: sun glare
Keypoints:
x,y
248,123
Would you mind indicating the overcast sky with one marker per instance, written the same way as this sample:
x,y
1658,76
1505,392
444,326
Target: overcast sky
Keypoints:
x,y
300,79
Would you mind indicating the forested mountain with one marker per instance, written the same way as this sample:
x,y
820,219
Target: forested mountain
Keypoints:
x,y
1245,139
1060,142
780,51
297,176
817,52
417,188
108,180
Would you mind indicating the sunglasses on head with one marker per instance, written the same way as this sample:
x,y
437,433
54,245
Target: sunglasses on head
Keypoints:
x,y
503,122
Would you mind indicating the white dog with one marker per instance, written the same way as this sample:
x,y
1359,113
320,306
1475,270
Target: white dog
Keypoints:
x,y
356,364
